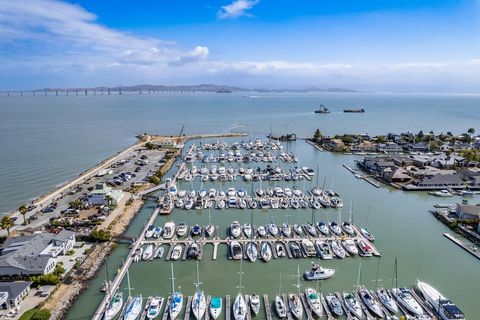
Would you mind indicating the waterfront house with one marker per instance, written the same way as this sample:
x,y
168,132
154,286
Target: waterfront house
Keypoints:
x,y
468,212
104,195
444,161
419,148
396,175
11,293
439,181
35,254
389,147
474,182
336,145
364,146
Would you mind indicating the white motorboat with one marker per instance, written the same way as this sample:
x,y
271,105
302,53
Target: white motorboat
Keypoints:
x,y
444,307
221,204
259,192
365,248
231,192
273,229
215,307
159,252
313,300
367,234
335,228
286,230
372,304
334,305
247,230
310,228
210,230
114,306
298,229
404,297
149,231
153,310
168,230
352,304
181,229
322,227
133,308
323,250
280,307
337,249
255,303
239,308
441,193
148,252
261,231
308,247
176,252
235,229
350,246
318,273
265,251
157,232
387,300
348,228
295,305
252,252
235,250
280,250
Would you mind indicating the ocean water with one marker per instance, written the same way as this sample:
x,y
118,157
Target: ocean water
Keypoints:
x,y
47,140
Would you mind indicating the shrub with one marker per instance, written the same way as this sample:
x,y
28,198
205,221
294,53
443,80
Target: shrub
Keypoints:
x,y
46,279
70,252
99,235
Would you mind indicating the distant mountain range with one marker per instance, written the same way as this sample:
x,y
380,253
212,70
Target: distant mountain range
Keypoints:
x,y
201,87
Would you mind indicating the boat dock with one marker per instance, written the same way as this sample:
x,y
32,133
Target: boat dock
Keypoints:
x,y
207,311
472,249
228,308
268,309
188,308
326,309
363,177
287,308
306,307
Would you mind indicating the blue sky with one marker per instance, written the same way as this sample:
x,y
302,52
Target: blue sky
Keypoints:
x,y
368,45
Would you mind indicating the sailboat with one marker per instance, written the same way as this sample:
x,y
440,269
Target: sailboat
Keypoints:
x,y
133,306
351,302
365,232
176,300
199,303
114,306
239,306
279,303
210,229
294,302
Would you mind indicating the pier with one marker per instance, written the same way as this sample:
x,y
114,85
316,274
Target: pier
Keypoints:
x,y
472,249
268,309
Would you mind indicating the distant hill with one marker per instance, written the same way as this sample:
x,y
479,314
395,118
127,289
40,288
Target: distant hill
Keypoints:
x,y
201,87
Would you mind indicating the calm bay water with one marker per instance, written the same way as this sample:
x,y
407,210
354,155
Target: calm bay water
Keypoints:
x,y
47,140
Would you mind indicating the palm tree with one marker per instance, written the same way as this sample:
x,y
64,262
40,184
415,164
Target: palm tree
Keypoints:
x,y
6,223
23,211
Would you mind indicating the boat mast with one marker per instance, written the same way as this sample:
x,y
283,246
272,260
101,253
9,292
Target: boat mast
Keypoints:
x,y
359,273
280,285
378,271
351,211
240,276
173,279
298,285
128,284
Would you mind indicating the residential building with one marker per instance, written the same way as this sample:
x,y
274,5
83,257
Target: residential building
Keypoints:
x,y
104,195
15,292
468,212
440,181
389,147
35,254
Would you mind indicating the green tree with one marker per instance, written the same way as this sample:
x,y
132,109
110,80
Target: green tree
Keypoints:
x,y
155,180
317,136
420,135
76,204
100,235
23,211
471,131
381,139
347,139
6,223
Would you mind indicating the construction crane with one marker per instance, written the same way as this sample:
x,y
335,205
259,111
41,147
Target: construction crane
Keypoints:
x,y
180,135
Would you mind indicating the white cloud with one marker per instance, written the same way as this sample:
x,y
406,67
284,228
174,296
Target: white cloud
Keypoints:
x,y
236,9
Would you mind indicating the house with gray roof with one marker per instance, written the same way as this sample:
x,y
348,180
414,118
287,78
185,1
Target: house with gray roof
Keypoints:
x,y
35,254
14,291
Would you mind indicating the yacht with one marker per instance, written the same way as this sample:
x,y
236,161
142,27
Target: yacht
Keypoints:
x,y
252,252
261,231
322,227
212,193
298,229
235,229
265,251
157,232
311,229
335,228
295,249
159,252
348,228
220,204
280,307
441,193
445,308
239,308
350,246
334,305
372,304
176,299
193,251
252,204
215,307
295,305
313,300
149,231
308,247
232,202
318,273
273,229
114,306
387,300
153,310
247,230
323,250
255,303
176,252
168,230
280,250
181,229
337,249
210,230
352,304
365,248
199,304
404,297
196,230
231,192
235,250
367,234
148,252
133,308
259,192
286,230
